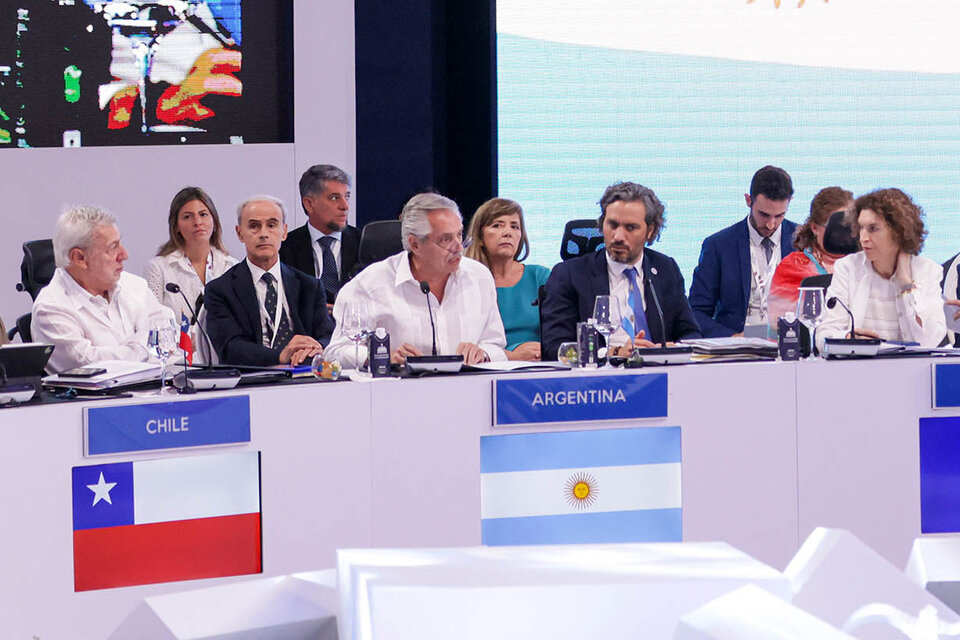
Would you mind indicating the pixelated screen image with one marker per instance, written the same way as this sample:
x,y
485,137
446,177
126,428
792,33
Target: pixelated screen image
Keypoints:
x,y
102,73
690,98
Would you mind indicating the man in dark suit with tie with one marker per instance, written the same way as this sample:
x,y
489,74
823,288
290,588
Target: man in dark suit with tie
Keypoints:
x,y
732,279
262,312
631,217
326,246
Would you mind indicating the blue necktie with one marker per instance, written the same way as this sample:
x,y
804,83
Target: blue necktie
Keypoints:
x,y
329,276
635,300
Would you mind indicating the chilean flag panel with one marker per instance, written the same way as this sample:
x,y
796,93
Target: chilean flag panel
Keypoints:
x,y
165,520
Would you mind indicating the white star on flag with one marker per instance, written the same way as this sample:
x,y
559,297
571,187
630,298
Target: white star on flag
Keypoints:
x,y
101,490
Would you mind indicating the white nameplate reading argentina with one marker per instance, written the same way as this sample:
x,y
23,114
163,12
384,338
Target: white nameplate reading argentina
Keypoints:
x,y
579,399
166,425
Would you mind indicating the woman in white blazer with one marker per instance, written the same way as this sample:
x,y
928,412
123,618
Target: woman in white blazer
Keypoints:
x,y
893,293
191,257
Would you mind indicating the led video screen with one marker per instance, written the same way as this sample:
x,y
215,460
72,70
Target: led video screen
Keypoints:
x,y
690,98
101,73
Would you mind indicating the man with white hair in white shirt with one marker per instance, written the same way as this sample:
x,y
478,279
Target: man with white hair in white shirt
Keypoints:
x,y
92,309
461,293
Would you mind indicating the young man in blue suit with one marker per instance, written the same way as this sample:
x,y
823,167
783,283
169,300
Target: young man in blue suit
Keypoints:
x,y
262,312
731,282
631,217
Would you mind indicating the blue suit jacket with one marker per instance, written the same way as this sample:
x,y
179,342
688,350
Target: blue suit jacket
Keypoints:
x,y
233,314
721,282
574,285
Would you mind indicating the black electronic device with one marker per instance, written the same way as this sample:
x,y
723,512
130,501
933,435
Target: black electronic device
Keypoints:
x,y
82,372
434,364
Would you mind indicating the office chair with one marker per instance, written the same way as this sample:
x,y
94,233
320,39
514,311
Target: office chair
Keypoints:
x,y
580,237
378,240
37,266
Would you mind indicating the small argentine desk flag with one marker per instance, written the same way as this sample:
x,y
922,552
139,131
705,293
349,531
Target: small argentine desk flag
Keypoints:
x,y
610,485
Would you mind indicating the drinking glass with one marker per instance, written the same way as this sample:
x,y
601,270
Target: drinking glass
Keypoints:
x,y
606,311
164,340
810,313
356,326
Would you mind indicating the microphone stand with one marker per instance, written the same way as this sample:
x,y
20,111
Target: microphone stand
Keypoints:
x,y
227,378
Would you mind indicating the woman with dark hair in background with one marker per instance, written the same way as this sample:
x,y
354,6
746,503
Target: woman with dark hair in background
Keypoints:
x,y
191,257
893,293
499,240
809,258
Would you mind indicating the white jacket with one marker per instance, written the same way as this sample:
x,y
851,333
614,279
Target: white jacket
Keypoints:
x,y
851,285
77,323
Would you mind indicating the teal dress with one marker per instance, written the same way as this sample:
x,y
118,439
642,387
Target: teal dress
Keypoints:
x,y
521,318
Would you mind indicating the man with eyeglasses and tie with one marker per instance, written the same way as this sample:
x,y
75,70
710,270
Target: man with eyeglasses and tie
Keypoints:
x,y
732,280
326,246
431,270
262,312
631,216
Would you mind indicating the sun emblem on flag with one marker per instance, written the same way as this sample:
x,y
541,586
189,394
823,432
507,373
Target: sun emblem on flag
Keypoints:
x,y
581,490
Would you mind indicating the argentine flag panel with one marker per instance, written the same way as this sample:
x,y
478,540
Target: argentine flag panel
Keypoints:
x,y
611,485
155,521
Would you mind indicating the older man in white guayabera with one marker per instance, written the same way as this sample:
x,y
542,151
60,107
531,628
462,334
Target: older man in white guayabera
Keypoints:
x,y
92,309
394,293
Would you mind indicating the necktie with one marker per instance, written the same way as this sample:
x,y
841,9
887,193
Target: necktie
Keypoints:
x,y
329,277
635,300
767,245
270,303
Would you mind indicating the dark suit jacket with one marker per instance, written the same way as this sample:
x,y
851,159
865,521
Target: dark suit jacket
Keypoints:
x,y
233,314
574,285
297,252
720,289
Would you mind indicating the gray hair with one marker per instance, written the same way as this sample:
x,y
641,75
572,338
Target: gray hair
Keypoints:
x,y
413,218
262,198
633,192
75,229
314,179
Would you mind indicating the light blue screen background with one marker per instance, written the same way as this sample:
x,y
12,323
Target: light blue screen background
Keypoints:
x,y
573,119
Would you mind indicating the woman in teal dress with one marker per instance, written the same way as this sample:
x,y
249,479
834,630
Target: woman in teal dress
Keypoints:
x,y
500,242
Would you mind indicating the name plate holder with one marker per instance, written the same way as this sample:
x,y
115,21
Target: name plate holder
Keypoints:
x,y
568,399
946,385
166,425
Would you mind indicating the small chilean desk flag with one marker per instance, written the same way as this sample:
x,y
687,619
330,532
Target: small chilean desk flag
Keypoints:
x,y
185,342
153,521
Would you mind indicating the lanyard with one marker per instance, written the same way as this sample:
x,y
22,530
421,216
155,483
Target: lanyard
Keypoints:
x,y
277,313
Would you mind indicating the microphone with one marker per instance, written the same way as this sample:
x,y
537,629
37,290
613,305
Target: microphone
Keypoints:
x,y
173,287
208,377
832,302
425,288
656,302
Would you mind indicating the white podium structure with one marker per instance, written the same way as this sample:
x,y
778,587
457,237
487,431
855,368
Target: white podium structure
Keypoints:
x,y
934,564
297,607
571,592
752,613
842,581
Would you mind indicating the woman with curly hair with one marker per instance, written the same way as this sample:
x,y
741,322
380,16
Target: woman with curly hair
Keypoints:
x,y
893,293
809,258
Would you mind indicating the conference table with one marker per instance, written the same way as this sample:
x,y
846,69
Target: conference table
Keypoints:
x,y
770,450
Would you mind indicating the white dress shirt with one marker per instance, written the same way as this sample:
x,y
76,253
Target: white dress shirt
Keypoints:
x,y
468,313
335,246
854,284
266,322
86,328
620,289
176,267
761,273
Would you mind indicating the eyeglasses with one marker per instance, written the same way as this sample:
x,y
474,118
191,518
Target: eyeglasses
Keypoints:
x,y
452,243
